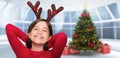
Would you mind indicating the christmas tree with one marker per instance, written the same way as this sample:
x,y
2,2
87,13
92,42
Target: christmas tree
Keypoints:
x,y
85,36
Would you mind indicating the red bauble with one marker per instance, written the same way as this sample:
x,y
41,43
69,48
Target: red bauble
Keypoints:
x,y
85,15
82,14
75,35
90,44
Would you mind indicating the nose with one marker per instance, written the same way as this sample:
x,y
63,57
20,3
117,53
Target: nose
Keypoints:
x,y
39,32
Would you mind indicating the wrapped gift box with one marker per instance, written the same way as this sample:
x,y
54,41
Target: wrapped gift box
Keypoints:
x,y
106,49
100,49
66,51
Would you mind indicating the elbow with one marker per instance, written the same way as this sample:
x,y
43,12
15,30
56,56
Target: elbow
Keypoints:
x,y
8,26
63,37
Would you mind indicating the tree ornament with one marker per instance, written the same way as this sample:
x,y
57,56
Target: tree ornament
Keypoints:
x,y
85,15
83,36
75,35
94,41
85,40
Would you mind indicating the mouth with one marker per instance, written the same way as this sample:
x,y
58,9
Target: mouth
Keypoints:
x,y
38,37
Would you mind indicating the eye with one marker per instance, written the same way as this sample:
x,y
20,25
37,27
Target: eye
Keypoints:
x,y
45,30
35,28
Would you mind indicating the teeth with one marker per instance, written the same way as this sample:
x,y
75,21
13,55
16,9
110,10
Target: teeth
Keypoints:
x,y
39,37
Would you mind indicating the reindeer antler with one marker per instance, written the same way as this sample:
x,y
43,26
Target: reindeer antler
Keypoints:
x,y
35,9
54,12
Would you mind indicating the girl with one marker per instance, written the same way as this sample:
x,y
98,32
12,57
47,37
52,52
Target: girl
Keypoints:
x,y
39,35
39,38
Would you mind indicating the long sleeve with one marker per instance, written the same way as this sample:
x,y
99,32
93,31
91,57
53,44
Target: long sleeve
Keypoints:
x,y
14,34
58,42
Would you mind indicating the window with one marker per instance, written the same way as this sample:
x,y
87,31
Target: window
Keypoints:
x,y
74,16
53,20
108,33
71,16
68,32
22,26
104,13
98,30
2,31
94,15
117,23
118,33
25,27
30,16
97,25
67,29
115,10
19,25
108,24
66,17
43,15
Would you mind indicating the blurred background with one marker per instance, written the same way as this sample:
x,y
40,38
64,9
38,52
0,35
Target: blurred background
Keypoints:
x,y
104,13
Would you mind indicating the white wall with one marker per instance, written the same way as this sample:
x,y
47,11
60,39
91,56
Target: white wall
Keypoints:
x,y
69,5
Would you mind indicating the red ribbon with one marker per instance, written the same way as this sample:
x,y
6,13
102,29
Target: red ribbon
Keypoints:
x,y
54,12
35,8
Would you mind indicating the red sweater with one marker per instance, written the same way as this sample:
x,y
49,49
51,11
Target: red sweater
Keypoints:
x,y
14,34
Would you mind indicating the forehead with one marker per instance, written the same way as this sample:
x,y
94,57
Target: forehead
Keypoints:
x,y
42,24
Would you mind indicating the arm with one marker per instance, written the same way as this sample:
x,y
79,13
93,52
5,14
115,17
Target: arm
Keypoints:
x,y
13,33
19,33
58,42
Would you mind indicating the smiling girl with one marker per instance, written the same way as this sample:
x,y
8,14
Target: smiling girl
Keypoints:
x,y
40,41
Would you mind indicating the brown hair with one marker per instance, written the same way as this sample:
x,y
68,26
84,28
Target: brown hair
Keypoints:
x,y
29,42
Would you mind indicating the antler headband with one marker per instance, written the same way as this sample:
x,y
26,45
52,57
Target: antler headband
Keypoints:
x,y
38,11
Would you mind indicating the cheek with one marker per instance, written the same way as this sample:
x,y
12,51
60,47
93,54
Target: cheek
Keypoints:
x,y
31,34
46,36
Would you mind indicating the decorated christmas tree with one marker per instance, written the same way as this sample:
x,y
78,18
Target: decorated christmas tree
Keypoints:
x,y
85,36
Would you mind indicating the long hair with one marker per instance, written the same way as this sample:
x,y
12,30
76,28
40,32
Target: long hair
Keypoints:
x,y
29,42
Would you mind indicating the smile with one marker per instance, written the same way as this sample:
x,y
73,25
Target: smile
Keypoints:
x,y
39,37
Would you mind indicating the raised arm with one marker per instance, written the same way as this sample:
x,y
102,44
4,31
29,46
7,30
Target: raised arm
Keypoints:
x,y
58,42
13,34
19,33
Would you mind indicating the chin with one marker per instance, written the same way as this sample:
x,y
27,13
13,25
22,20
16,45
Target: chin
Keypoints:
x,y
39,43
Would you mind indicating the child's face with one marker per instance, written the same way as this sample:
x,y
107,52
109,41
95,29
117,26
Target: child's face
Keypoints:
x,y
40,33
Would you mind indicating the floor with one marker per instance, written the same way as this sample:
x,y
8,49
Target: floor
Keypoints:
x,y
113,54
6,52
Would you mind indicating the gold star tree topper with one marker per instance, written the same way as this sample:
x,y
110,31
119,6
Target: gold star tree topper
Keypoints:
x,y
85,5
